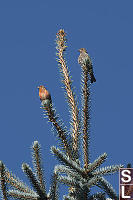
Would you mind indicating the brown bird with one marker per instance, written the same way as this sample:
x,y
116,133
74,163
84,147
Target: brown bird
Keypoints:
x,y
44,95
84,60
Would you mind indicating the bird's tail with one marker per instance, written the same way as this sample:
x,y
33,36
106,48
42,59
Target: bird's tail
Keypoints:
x,y
92,78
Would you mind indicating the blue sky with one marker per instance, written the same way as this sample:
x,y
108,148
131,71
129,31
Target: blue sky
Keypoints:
x,y
28,59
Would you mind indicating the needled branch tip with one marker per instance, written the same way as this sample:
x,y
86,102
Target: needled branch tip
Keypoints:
x,y
61,40
34,181
66,79
46,103
37,161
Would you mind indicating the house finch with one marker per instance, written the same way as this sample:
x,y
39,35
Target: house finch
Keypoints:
x,y
84,60
44,95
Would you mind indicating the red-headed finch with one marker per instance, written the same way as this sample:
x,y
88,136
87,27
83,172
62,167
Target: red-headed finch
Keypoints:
x,y
84,60
45,96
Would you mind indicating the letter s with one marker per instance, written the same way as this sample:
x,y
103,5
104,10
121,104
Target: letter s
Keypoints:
x,y
126,175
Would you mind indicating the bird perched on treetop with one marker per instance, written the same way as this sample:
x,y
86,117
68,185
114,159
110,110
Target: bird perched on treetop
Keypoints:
x,y
84,60
44,95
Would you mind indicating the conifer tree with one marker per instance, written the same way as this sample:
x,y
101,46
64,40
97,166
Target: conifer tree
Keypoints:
x,y
79,179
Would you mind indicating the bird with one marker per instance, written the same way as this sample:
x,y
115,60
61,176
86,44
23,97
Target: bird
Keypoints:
x,y
84,60
44,95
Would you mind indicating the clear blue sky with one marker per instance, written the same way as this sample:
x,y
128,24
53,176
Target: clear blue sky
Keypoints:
x,y
28,59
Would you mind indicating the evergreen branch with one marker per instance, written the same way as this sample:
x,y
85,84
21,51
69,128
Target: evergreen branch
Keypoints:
x,y
69,198
37,164
80,193
70,172
2,180
69,181
96,163
78,184
86,115
98,196
61,47
16,183
107,187
92,182
107,170
53,193
34,181
63,158
75,177
61,133
77,189
22,195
